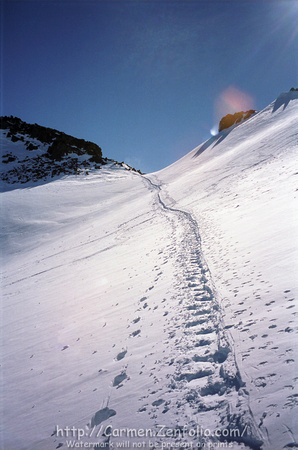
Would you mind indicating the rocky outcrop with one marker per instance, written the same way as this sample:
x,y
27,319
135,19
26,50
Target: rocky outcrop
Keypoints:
x,y
31,152
60,144
232,119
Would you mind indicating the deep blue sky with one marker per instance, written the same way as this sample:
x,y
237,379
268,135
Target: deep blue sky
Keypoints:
x,y
145,80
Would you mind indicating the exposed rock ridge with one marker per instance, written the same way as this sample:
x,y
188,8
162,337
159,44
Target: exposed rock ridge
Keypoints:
x,y
38,153
232,119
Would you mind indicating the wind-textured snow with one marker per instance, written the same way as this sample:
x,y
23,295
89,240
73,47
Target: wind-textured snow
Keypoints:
x,y
156,311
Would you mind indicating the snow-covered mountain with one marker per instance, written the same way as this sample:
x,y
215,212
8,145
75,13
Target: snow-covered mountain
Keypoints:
x,y
156,311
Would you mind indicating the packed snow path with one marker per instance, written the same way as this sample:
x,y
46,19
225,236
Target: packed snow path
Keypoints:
x,y
205,375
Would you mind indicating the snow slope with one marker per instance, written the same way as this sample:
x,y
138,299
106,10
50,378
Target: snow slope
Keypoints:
x,y
157,310
241,188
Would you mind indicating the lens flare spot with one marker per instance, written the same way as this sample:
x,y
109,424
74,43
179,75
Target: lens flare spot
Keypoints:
x,y
232,100
214,130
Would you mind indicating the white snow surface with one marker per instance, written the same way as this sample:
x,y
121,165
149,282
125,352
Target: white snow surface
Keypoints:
x,y
160,309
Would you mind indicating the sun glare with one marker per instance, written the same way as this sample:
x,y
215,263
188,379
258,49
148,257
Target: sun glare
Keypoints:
x,y
214,130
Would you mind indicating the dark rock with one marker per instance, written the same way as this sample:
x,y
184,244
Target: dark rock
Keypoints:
x,y
232,119
30,146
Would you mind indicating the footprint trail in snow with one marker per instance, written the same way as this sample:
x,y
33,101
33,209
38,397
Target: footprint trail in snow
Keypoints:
x,y
204,388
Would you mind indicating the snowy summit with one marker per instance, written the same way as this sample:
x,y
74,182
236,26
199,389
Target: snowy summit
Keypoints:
x,y
152,311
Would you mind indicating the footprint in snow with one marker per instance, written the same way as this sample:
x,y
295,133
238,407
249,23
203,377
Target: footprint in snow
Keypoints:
x,y
102,415
189,376
260,382
121,355
289,330
158,402
143,409
208,330
135,333
119,378
202,343
195,323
